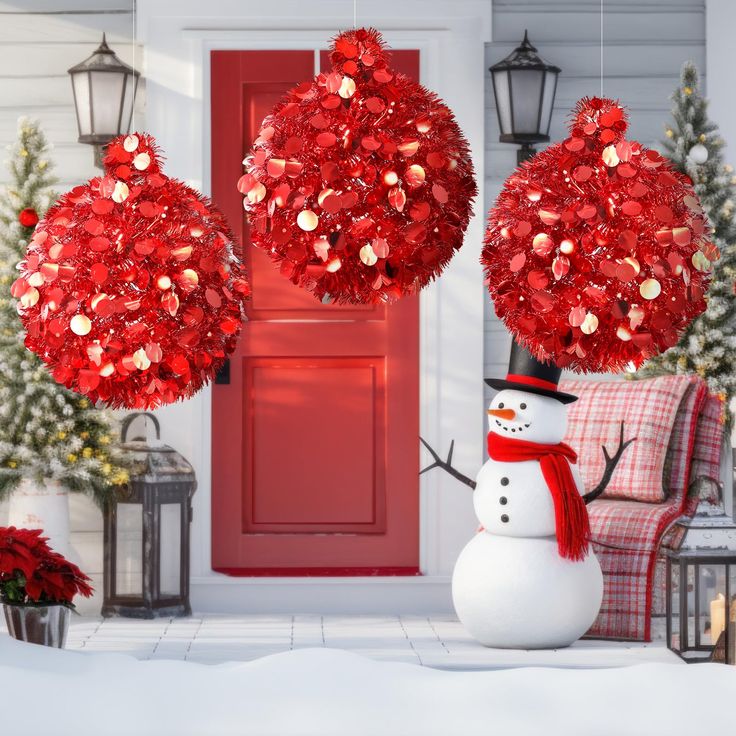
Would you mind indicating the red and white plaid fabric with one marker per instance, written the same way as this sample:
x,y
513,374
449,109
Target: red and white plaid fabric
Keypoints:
x,y
627,533
647,409
706,464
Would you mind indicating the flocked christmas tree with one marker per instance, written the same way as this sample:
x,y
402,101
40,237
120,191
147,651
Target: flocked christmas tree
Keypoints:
x,y
46,431
693,144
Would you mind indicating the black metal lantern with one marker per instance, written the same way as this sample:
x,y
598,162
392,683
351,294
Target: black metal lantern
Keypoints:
x,y
146,537
104,92
701,592
524,86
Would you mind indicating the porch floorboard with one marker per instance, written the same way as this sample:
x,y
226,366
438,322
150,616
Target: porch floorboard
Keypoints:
x,y
432,641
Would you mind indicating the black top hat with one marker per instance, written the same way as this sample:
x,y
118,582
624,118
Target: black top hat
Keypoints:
x,y
528,374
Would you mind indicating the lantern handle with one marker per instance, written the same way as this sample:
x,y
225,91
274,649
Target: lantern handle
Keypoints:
x,y
130,418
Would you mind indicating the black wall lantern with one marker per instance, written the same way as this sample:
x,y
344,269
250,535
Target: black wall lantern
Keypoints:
x,y
524,86
104,93
146,540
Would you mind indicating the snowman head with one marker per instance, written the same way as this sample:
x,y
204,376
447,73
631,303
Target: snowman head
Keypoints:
x,y
527,416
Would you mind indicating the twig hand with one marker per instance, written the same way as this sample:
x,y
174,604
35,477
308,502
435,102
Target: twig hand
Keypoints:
x,y
611,463
446,465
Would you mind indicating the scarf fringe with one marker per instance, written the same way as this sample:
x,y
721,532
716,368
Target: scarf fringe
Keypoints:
x,y
571,521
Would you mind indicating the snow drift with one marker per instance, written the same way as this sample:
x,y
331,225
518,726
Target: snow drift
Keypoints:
x,y
323,692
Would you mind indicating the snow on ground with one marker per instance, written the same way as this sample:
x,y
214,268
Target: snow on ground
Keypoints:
x,y
322,692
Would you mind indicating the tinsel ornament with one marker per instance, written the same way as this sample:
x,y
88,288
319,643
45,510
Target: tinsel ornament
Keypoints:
x,y
132,288
360,182
597,253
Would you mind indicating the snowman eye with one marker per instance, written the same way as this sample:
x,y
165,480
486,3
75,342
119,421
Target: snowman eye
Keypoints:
x,y
500,406
522,406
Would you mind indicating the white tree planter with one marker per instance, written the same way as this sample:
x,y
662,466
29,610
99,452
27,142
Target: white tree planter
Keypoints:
x,y
44,505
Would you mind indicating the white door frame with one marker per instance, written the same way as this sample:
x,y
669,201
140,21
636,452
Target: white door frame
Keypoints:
x,y
177,36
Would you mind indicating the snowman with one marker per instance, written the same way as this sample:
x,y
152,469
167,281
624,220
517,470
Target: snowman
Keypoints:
x,y
528,579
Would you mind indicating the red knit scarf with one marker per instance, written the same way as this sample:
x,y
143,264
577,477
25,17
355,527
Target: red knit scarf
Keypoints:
x,y
571,516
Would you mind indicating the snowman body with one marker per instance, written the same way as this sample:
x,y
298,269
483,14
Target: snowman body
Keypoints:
x,y
511,588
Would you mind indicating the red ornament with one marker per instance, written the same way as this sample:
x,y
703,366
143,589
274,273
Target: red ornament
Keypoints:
x,y
597,253
132,288
28,217
360,182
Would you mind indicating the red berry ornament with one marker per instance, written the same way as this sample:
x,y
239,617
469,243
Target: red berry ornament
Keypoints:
x,y
360,182
597,253
132,288
28,217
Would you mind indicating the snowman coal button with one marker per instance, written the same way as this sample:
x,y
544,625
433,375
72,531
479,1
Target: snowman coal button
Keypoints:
x,y
504,518
504,481
503,500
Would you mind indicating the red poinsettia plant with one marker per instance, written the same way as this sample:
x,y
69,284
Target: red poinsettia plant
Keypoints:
x,y
32,573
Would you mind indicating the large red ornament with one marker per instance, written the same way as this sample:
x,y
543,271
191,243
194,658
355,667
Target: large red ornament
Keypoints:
x,y
132,288
360,183
597,253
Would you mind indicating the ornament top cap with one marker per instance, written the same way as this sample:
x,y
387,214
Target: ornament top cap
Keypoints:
x,y
359,52
593,116
135,154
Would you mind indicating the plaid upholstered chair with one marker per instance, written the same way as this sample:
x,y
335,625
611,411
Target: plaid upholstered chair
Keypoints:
x,y
679,431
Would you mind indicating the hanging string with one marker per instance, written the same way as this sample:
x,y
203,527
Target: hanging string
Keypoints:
x,y
135,64
355,13
601,48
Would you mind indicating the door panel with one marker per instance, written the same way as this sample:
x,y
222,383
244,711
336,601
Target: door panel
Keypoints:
x,y
314,456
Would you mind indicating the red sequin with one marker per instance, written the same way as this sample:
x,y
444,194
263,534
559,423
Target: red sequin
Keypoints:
x,y
132,288
359,155
597,252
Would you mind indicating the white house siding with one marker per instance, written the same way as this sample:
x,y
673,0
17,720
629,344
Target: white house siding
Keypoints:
x,y
39,41
645,44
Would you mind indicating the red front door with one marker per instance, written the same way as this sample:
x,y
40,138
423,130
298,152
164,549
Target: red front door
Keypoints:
x,y
314,438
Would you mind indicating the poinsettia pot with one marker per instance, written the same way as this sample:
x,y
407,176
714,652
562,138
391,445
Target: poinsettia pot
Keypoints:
x,y
43,504
37,623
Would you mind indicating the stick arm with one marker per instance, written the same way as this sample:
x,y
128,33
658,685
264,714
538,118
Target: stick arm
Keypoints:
x,y
611,463
446,465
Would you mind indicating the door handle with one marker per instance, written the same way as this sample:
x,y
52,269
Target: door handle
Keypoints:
x,y
223,375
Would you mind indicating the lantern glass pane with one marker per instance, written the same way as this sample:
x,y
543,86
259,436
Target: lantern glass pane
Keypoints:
x,y
548,98
129,550
503,101
80,85
170,551
675,642
709,625
526,97
688,626
107,98
128,102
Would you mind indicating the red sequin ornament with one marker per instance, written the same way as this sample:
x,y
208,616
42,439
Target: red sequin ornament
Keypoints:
x,y
132,288
28,217
360,183
597,253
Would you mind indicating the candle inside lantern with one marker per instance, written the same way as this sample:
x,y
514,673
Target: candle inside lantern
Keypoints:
x,y
717,617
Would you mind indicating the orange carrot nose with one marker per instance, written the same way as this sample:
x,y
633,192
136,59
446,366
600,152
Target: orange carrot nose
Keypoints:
x,y
502,413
